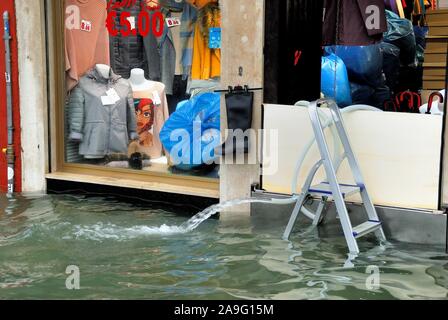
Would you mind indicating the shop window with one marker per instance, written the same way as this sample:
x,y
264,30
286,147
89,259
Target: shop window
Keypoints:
x,y
140,77
386,54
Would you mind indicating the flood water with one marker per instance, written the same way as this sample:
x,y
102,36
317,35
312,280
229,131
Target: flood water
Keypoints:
x,y
132,251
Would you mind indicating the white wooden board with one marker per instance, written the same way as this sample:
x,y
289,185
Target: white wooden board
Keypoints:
x,y
399,153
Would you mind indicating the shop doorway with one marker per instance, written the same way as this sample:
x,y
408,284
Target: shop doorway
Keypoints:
x,y
292,53
389,144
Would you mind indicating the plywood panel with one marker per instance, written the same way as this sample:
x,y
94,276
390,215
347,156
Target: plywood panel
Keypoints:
x,y
399,154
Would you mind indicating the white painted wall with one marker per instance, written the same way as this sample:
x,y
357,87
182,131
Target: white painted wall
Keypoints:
x,y
33,93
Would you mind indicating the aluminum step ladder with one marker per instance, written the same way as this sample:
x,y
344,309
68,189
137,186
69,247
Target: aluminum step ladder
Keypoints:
x,y
332,189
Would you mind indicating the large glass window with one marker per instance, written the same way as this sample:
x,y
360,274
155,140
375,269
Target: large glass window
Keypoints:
x,y
140,77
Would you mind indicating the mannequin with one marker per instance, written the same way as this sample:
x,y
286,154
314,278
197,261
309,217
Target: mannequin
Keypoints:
x,y
103,70
151,108
138,80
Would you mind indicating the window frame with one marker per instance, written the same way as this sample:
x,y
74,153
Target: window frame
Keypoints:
x,y
55,14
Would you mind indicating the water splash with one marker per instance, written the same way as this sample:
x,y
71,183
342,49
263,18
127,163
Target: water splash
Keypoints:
x,y
198,219
101,231
109,231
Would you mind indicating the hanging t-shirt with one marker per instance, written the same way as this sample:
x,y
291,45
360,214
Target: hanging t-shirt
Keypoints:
x,y
87,40
151,109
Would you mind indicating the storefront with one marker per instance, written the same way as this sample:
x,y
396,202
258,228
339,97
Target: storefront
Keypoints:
x,y
250,28
108,130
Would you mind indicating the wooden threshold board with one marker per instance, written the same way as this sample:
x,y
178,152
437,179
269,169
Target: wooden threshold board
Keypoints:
x,y
135,184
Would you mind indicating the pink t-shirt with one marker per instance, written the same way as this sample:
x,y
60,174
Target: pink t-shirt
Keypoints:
x,y
86,40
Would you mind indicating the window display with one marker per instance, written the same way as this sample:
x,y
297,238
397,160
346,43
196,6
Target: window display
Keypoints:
x,y
129,65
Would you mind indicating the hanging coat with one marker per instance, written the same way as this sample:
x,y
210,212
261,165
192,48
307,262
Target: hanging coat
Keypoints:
x,y
127,52
101,129
356,25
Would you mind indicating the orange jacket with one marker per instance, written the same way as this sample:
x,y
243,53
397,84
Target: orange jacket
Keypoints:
x,y
206,62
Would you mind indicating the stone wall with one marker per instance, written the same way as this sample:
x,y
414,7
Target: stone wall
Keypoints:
x,y
33,93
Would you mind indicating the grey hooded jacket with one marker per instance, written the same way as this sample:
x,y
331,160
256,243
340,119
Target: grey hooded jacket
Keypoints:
x,y
101,129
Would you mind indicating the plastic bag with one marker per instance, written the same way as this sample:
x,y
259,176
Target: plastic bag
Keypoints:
x,y
420,40
401,33
361,94
335,82
193,132
381,95
391,64
364,63
375,97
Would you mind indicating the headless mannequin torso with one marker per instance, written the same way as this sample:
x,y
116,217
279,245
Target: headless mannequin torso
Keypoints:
x,y
138,81
151,111
103,70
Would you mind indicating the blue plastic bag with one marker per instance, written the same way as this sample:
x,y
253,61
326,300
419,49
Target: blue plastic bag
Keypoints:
x,y
375,97
193,132
335,82
361,94
364,63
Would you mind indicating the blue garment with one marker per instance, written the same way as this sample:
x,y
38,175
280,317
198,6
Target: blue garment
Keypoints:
x,y
192,133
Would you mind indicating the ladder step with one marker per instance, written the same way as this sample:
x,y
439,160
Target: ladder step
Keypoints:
x,y
366,228
324,188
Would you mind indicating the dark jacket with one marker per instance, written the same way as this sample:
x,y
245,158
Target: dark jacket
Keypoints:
x,y
356,25
101,130
127,53
156,56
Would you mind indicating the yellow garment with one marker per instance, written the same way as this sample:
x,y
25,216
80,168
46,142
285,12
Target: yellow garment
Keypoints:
x,y
206,62
199,4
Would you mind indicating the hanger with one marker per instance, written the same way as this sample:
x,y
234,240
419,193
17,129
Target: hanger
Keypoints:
x,y
238,89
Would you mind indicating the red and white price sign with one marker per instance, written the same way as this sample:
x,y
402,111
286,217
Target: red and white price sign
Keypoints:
x,y
86,26
172,22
